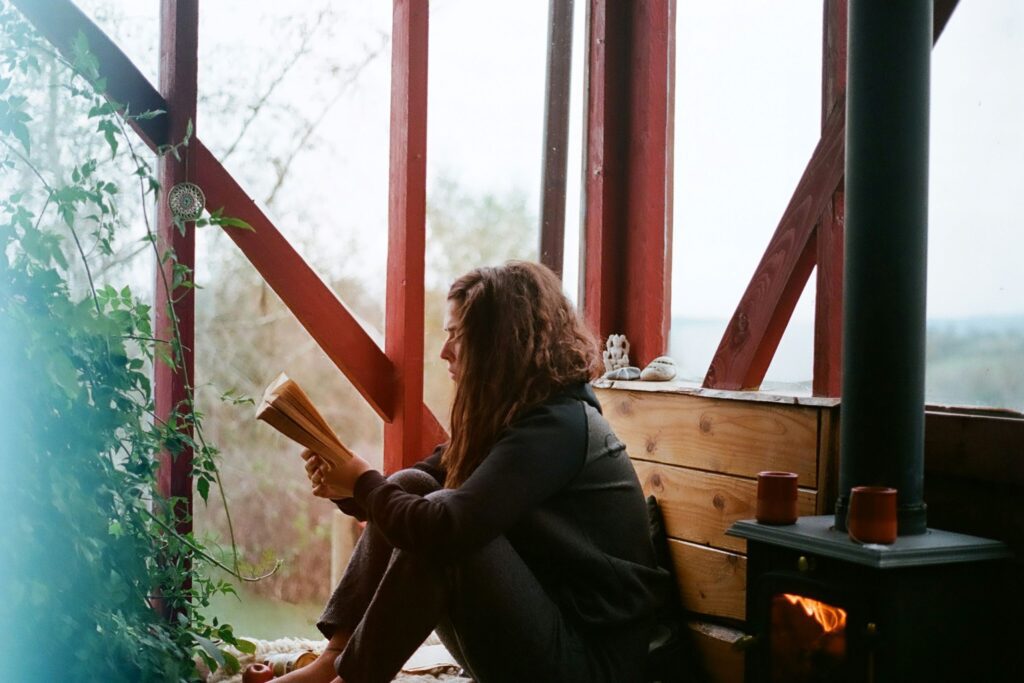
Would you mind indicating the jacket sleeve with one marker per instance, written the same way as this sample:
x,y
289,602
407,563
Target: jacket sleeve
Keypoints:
x,y
531,461
431,465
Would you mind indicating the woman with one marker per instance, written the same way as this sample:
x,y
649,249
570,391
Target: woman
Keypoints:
x,y
523,541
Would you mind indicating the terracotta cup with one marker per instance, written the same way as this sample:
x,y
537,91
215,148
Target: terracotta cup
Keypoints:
x,y
872,514
776,497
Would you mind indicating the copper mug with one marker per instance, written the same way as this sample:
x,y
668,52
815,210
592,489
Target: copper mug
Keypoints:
x,y
872,514
776,497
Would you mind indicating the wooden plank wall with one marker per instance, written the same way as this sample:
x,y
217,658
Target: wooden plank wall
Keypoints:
x,y
974,473
698,452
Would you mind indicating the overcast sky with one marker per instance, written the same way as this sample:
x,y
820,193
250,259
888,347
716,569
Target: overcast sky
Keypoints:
x,y
747,108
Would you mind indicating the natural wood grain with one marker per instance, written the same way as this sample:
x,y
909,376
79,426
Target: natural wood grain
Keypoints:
x,y
977,508
722,661
828,460
828,298
700,506
986,448
974,474
711,582
694,389
733,437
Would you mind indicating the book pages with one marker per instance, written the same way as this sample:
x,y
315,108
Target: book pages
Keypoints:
x,y
287,408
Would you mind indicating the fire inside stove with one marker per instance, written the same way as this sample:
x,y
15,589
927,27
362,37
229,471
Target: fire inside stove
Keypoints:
x,y
808,639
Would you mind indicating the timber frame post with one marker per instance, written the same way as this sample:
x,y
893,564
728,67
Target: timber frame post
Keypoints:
x,y
174,307
828,301
627,254
407,205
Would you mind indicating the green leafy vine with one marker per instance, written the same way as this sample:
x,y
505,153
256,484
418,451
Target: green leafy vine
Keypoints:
x,y
94,545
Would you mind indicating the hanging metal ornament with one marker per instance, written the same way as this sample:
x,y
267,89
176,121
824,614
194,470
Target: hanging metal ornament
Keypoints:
x,y
186,201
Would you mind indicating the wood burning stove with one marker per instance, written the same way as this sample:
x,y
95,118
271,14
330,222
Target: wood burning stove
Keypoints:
x,y
820,606
824,608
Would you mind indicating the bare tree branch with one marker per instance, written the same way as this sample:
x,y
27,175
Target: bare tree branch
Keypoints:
x,y
257,106
282,166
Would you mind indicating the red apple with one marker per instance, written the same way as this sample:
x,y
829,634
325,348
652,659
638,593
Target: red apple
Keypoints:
x,y
257,673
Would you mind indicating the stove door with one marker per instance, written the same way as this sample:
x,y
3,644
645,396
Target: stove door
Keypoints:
x,y
808,631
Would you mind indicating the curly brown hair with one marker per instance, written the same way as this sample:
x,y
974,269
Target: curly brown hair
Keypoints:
x,y
521,341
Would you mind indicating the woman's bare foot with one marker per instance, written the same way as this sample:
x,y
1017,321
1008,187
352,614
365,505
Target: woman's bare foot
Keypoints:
x,y
322,670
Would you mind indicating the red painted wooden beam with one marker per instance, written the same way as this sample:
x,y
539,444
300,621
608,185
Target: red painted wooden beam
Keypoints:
x,y
315,305
605,169
403,333
760,319
754,332
175,307
628,220
312,302
828,320
828,316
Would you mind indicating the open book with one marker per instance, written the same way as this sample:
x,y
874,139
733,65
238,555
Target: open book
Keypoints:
x,y
286,408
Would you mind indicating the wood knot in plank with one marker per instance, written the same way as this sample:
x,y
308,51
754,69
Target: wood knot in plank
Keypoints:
x,y
706,424
655,481
651,444
718,501
742,324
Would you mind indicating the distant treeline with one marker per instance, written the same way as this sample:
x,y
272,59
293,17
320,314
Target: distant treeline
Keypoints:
x,y
970,361
976,362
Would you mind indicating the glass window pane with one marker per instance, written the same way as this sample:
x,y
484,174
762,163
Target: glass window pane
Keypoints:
x,y
748,103
485,128
975,291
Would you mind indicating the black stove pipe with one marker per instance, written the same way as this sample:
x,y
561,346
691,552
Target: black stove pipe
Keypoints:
x,y
882,425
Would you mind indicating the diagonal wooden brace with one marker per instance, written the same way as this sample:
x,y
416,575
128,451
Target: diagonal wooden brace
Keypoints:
x,y
754,332
316,306
756,327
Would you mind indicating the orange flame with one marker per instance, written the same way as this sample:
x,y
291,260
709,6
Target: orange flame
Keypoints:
x,y
831,618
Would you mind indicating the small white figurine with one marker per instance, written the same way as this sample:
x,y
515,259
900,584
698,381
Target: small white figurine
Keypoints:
x,y
616,354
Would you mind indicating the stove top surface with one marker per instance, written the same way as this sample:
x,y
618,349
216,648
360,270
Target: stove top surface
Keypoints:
x,y
818,535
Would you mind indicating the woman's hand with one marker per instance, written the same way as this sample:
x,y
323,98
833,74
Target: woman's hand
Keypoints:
x,y
333,481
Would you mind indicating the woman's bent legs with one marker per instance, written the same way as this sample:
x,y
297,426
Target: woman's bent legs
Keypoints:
x,y
370,559
490,610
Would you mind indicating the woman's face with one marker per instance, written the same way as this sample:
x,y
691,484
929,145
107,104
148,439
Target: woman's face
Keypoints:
x,y
450,350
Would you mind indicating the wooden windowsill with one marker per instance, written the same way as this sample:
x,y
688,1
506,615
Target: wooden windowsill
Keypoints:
x,y
695,389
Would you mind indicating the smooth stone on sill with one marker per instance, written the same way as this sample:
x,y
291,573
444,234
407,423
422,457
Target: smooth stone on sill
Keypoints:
x,y
661,369
627,373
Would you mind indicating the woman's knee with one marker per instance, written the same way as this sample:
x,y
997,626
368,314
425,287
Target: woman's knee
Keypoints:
x,y
414,481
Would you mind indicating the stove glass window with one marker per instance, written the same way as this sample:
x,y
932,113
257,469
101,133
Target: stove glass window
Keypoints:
x,y
808,640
